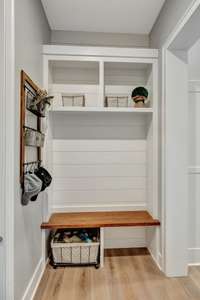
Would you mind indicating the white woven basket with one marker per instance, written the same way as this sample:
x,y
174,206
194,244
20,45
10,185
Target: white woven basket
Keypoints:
x,y
116,101
73,100
75,253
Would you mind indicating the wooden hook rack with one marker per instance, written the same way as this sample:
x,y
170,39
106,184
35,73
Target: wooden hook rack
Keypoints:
x,y
28,87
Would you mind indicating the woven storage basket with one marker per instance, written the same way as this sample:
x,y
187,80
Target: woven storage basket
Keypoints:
x,y
75,253
73,100
116,101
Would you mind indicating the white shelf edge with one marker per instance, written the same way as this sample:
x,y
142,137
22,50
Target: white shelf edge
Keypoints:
x,y
100,51
101,109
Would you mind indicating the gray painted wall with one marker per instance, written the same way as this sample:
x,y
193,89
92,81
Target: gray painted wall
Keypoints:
x,y
99,39
32,30
169,16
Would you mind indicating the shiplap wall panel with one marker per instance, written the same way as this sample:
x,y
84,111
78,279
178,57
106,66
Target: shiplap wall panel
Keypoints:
x,y
99,173
99,183
99,145
99,157
119,75
75,72
124,237
91,92
100,132
98,126
99,196
75,76
97,170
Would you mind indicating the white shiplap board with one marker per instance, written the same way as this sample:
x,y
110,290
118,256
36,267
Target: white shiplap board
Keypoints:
x,y
124,146
102,175
87,72
96,182
121,237
99,172
98,126
104,197
75,72
92,158
91,92
134,173
99,164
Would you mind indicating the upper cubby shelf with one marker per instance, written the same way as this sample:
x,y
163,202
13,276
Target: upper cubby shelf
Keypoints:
x,y
62,50
74,72
97,79
146,110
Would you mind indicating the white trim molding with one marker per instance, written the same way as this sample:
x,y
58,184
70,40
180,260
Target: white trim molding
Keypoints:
x,y
99,51
156,261
194,256
194,86
7,115
35,280
88,208
166,156
194,170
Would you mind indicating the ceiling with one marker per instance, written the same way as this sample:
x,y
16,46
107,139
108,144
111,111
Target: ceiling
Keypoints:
x,y
114,16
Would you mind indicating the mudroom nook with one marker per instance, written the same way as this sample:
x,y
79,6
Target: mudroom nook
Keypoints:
x,y
99,150
103,155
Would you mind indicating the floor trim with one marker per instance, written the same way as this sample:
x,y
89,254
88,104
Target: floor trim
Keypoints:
x,y
194,256
35,280
155,260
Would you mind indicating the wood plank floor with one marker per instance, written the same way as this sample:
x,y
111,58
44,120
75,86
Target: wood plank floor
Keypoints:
x,y
127,275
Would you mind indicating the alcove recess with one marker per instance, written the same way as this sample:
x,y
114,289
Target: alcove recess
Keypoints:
x,y
103,158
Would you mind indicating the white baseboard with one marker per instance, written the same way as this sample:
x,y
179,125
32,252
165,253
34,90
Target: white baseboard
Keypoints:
x,y
194,256
158,261
35,281
58,208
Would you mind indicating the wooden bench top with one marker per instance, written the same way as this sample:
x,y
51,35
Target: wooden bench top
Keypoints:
x,y
100,219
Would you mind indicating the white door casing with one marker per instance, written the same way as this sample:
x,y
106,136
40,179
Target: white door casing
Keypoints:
x,y
175,164
7,149
175,209
2,151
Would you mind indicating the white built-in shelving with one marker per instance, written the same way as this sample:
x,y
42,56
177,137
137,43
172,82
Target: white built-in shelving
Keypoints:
x,y
104,158
103,109
74,71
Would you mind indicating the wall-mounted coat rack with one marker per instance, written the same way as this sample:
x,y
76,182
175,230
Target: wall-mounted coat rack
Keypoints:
x,y
34,102
31,166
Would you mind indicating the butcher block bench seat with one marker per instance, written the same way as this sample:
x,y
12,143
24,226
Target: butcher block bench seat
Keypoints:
x,y
100,219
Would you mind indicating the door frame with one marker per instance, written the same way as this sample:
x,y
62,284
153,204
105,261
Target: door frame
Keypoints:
x,y
7,137
165,156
